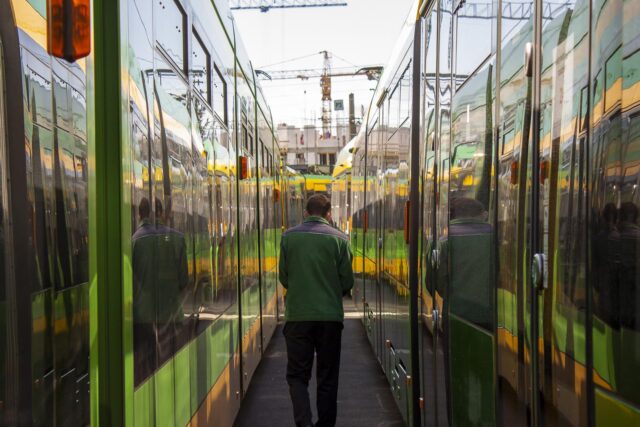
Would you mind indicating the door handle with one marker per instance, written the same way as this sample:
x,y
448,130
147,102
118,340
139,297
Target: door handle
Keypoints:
x,y
539,271
435,258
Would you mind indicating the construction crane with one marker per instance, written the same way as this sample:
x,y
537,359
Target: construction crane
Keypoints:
x,y
266,5
325,84
325,74
372,73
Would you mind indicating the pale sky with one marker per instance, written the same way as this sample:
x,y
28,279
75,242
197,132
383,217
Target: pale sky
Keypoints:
x,y
362,34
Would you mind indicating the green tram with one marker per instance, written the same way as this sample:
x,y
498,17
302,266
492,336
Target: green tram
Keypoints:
x,y
142,201
493,205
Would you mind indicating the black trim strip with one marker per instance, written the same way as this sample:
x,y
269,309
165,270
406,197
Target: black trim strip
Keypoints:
x,y
414,196
18,393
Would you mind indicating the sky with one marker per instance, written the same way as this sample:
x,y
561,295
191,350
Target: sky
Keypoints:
x,y
360,34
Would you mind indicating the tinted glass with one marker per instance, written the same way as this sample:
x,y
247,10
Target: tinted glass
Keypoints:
x,y
473,36
200,67
514,129
615,201
565,57
219,94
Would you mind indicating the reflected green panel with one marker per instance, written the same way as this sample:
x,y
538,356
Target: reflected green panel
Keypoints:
x,y
610,411
144,404
472,374
182,385
42,356
199,369
164,392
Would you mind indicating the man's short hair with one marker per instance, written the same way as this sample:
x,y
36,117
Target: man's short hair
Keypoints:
x,y
466,208
144,208
318,205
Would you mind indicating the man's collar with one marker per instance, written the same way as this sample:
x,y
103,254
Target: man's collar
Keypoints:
x,y
316,218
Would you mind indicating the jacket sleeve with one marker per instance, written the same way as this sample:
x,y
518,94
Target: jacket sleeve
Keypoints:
x,y
282,264
345,269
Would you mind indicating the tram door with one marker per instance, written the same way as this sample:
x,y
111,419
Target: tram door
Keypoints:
x,y
513,332
442,162
614,199
559,266
3,318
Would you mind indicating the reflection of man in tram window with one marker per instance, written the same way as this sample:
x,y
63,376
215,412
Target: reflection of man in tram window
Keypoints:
x,y
470,251
172,277
143,255
606,262
629,241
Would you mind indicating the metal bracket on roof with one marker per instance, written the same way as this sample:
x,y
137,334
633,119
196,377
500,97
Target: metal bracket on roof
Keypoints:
x,y
382,97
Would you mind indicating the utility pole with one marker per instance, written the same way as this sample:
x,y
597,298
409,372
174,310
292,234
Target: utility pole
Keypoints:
x,y
352,118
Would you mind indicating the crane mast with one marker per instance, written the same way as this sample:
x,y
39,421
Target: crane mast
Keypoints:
x,y
325,85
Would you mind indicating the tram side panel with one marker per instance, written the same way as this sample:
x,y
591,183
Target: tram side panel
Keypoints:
x,y
266,228
613,174
49,311
182,197
247,225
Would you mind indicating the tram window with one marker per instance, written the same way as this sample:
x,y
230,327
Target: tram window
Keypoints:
x,y
174,86
245,134
584,108
613,78
205,122
473,36
172,20
597,97
79,112
61,96
405,84
38,90
200,67
219,94
393,116
40,6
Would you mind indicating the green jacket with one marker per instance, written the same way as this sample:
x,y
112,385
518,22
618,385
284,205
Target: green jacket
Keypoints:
x,y
315,268
160,273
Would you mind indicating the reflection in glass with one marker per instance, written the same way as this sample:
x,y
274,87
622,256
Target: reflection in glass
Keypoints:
x,y
614,200
474,21
200,67
171,22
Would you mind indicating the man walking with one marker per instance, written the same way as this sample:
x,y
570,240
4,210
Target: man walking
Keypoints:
x,y
315,268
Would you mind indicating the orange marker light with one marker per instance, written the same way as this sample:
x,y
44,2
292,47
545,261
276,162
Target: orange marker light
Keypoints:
x,y
69,28
276,195
514,173
544,171
244,167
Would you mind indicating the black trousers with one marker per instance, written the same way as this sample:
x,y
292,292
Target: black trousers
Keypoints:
x,y
304,339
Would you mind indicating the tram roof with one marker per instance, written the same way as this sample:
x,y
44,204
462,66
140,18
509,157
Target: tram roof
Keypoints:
x,y
398,53
344,162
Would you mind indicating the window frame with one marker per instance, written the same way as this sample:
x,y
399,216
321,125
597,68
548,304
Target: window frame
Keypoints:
x,y
224,118
197,39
